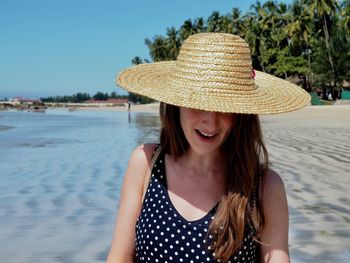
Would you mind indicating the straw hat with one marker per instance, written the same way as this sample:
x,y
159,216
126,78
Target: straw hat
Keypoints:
x,y
213,72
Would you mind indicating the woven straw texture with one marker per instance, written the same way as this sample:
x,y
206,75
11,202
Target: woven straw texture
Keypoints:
x,y
213,72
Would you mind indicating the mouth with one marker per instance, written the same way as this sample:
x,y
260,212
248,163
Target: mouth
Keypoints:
x,y
207,136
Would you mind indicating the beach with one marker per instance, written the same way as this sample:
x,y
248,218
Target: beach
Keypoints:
x,y
62,173
152,108
310,150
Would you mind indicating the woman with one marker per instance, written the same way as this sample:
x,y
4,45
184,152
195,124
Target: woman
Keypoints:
x,y
211,196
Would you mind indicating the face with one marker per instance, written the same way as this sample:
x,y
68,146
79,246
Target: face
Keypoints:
x,y
205,131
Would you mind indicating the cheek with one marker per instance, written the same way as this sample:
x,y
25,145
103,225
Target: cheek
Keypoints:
x,y
228,123
186,118
184,121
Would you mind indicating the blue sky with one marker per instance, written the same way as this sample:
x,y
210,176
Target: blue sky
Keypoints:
x,y
60,47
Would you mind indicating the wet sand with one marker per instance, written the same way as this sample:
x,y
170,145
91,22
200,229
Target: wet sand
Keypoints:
x,y
60,188
310,149
5,127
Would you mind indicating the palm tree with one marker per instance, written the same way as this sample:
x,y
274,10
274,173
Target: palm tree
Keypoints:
x,y
257,8
237,22
186,30
253,36
325,9
199,25
268,17
215,22
299,29
269,34
345,15
173,43
273,21
158,48
136,60
226,25
284,18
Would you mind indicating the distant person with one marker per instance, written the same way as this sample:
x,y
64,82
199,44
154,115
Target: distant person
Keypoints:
x,y
330,96
129,105
205,193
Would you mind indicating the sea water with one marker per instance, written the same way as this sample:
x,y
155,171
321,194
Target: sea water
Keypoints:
x,y
60,179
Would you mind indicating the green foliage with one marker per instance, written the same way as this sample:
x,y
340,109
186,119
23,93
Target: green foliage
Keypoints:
x,y
101,96
158,48
58,99
289,65
82,97
307,39
136,60
134,97
139,99
113,95
340,52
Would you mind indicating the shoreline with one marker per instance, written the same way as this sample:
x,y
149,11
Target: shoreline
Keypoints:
x,y
147,108
154,108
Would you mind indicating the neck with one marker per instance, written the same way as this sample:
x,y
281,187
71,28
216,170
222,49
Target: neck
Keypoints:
x,y
206,165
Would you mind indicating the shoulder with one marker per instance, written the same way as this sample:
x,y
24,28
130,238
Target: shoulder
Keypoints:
x,y
142,154
138,165
130,204
274,199
272,183
272,195
274,235
140,160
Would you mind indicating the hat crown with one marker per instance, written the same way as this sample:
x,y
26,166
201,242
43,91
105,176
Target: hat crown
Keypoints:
x,y
215,60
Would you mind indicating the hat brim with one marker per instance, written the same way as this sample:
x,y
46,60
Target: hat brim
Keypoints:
x,y
272,95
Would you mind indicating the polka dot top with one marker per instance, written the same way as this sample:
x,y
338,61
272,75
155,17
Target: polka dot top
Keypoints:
x,y
163,235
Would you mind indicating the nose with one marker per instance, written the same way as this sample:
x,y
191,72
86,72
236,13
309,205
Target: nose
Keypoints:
x,y
210,120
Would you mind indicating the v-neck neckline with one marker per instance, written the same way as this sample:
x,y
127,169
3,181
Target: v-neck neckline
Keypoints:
x,y
163,179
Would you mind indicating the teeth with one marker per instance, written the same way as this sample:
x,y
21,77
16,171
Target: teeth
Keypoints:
x,y
206,134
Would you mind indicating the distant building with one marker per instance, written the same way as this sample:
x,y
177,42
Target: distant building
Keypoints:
x,y
19,100
346,85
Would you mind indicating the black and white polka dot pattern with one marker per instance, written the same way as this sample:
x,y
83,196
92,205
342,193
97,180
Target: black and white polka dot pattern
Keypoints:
x,y
163,235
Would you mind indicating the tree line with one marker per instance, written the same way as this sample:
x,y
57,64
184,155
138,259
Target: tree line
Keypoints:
x,y
307,41
83,96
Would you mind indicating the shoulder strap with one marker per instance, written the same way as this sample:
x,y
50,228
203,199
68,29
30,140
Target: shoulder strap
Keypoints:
x,y
149,170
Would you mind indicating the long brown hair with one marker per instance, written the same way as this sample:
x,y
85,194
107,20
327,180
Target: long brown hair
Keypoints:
x,y
246,163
